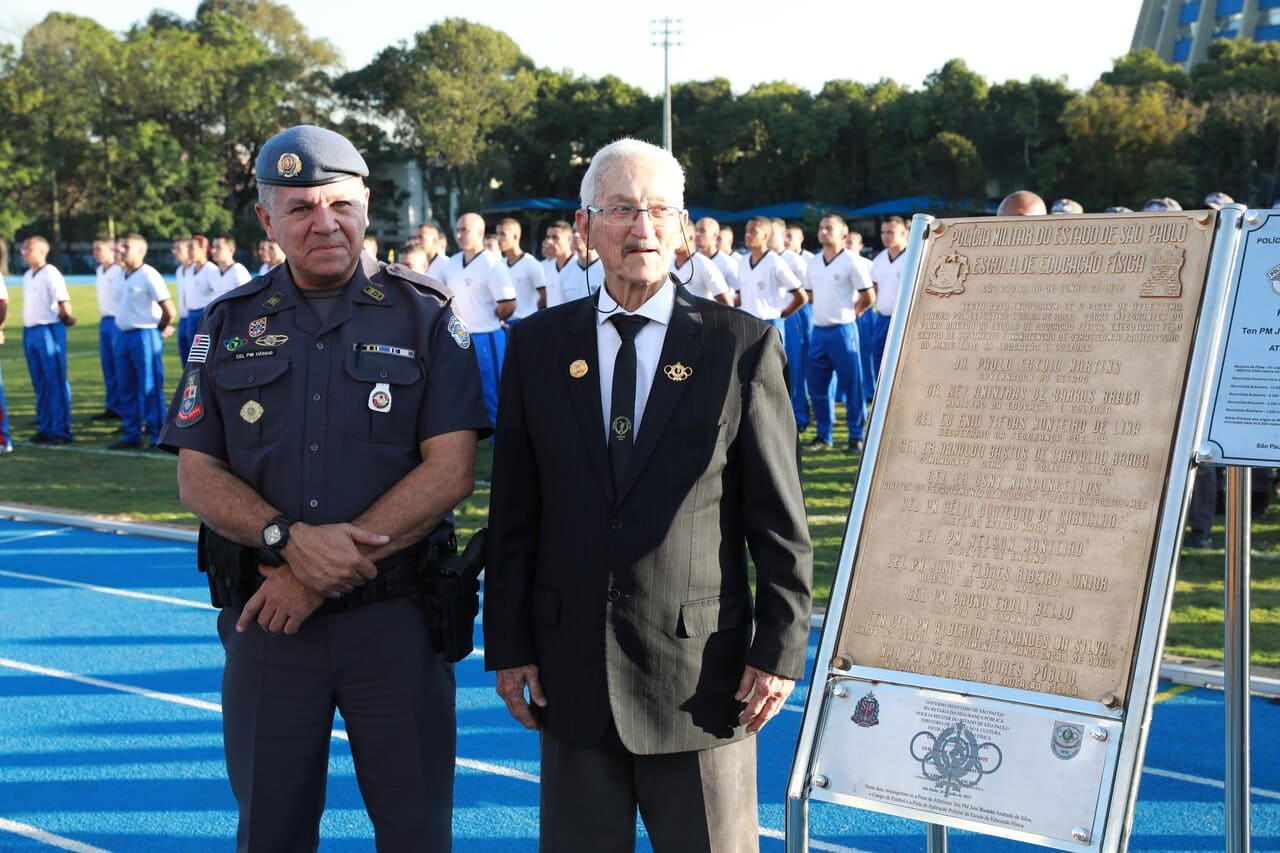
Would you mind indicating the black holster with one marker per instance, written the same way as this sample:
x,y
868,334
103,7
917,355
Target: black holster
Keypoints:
x,y
451,595
230,568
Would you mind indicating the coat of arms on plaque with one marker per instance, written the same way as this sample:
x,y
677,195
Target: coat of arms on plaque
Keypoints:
x,y
1273,276
867,713
1165,278
948,275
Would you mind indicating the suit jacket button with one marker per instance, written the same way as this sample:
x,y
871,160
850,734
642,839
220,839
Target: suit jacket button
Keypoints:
x,y
615,523
614,595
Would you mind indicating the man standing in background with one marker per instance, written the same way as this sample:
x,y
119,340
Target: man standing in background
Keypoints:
x,y
46,314
106,272
6,438
231,272
525,272
483,298
145,314
706,236
788,242
886,275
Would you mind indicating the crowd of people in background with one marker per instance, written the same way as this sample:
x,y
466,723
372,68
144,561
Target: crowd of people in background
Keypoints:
x,y
832,307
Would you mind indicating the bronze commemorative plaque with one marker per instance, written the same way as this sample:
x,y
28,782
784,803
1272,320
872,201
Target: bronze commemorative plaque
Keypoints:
x,y
1010,524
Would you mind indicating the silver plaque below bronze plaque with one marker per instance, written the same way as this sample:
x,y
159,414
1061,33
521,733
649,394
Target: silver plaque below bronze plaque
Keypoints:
x,y
1013,510
1035,774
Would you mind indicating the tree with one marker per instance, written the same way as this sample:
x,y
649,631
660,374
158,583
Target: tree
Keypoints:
x,y
448,94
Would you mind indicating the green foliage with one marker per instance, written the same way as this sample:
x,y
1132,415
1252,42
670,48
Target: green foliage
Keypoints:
x,y
158,128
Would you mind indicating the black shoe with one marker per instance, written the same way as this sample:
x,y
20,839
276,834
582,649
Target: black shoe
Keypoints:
x,y
1198,539
41,438
819,444
125,445
855,445
105,415
56,439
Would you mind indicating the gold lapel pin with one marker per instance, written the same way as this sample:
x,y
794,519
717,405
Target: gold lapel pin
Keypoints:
x,y
578,369
677,372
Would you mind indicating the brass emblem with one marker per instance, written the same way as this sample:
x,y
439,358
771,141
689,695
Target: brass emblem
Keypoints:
x,y
273,300
677,372
621,427
272,340
947,278
374,294
251,411
289,165
578,369
1165,278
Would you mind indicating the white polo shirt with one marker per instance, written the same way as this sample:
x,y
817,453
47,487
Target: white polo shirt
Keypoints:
x,y
138,297
797,264
702,276
576,282
886,273
478,286
436,268
105,286
526,278
551,280
728,266
835,287
234,276
765,286
41,293
203,285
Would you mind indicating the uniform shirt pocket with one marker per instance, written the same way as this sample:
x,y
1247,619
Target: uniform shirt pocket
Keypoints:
x,y
383,395
254,397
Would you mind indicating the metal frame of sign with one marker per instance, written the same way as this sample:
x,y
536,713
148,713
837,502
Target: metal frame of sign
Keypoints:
x,y
1119,783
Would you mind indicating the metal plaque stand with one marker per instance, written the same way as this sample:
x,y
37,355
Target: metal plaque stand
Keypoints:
x,y
1236,659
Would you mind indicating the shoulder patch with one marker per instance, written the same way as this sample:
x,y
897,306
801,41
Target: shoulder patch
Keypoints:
x,y
424,285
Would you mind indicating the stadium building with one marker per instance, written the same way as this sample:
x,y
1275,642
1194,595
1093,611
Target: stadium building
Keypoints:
x,y
1180,31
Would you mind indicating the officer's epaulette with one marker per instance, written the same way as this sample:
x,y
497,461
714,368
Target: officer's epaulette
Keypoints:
x,y
426,285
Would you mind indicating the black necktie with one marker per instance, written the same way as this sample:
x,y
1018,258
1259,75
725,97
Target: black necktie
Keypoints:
x,y
622,426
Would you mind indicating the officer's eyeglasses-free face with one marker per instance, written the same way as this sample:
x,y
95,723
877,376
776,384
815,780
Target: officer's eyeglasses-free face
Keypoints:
x,y
626,214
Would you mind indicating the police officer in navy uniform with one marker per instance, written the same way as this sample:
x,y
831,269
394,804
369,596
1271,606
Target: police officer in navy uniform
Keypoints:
x,y
327,422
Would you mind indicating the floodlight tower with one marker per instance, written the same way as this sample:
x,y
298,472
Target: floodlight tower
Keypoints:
x,y
665,33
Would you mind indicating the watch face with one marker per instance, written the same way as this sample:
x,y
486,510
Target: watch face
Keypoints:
x,y
271,535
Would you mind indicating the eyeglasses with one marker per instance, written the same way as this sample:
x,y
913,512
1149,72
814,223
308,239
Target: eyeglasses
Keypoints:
x,y
625,214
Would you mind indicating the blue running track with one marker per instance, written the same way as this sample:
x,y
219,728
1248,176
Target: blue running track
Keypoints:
x,y
110,729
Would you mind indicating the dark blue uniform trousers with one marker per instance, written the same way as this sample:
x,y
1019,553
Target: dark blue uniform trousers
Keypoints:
x,y
140,371
377,666
799,329
187,327
46,351
108,332
6,437
834,352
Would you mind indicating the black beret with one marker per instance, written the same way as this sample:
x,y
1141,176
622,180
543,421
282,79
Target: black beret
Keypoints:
x,y
308,156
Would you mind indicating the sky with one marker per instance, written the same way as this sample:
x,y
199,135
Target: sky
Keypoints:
x,y
747,42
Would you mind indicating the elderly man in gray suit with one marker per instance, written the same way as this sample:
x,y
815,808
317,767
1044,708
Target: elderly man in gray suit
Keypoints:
x,y
645,446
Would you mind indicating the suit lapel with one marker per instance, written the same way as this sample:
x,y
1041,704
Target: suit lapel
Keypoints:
x,y
683,346
583,393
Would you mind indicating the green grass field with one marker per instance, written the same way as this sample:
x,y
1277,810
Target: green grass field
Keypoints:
x,y
142,487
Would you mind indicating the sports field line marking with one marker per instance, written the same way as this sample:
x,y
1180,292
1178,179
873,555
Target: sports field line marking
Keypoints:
x,y
1175,690
37,834
1212,783
22,537
108,590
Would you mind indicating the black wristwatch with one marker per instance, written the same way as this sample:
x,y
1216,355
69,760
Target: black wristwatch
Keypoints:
x,y
275,535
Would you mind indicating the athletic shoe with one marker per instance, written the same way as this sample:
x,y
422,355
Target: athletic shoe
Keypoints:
x,y
819,444
855,445
125,445
105,415
7,448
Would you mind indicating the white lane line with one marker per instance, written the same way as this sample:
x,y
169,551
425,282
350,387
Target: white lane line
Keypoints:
x,y
37,834
111,685
107,590
22,537
1212,783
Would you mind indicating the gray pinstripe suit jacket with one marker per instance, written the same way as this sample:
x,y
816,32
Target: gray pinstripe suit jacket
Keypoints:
x,y
637,605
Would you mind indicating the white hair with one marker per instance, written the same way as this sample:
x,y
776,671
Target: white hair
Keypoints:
x,y
620,152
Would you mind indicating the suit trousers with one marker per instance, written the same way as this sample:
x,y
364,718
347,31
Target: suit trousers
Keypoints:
x,y
377,665
691,802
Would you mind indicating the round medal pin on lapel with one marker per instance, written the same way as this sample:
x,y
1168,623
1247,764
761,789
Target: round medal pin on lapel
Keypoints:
x,y
578,369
